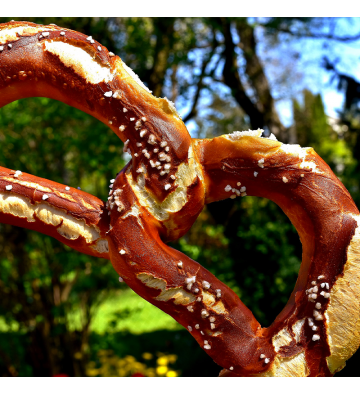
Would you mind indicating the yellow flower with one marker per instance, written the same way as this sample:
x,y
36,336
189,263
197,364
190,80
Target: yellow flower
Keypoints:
x,y
147,355
130,359
150,372
92,372
162,361
138,366
172,358
161,370
112,365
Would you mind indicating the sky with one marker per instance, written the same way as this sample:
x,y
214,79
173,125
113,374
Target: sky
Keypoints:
x,y
306,72
293,65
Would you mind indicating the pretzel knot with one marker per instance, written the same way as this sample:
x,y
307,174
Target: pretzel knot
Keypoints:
x,y
159,194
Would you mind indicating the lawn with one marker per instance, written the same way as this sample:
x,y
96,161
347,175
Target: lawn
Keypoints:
x,y
126,311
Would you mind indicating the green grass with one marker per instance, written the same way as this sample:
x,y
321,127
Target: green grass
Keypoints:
x,y
128,312
125,311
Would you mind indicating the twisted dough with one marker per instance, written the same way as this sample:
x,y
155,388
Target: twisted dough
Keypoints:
x,y
158,195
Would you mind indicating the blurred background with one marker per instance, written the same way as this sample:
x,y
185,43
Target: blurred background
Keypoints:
x,y
62,313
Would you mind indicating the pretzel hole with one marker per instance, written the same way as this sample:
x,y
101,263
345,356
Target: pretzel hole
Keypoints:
x,y
250,245
60,143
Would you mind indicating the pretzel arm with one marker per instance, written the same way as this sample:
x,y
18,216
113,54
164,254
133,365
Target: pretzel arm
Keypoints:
x,y
73,217
213,314
71,67
327,220
160,193
49,61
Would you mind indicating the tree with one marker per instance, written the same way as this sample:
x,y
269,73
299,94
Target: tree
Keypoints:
x,y
79,206
30,287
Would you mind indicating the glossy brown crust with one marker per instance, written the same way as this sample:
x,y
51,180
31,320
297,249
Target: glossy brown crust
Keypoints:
x,y
82,210
234,340
160,193
29,69
315,201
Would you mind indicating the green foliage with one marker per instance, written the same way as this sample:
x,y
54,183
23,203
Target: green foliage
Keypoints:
x,y
313,130
254,250
52,140
43,281
63,312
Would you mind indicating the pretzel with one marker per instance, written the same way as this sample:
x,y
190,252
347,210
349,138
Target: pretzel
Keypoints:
x,y
161,191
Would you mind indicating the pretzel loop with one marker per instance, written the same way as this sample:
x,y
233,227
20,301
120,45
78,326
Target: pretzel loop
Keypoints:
x,y
318,328
159,194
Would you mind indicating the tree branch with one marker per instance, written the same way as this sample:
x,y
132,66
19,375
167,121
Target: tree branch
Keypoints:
x,y
199,85
162,50
233,81
258,79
